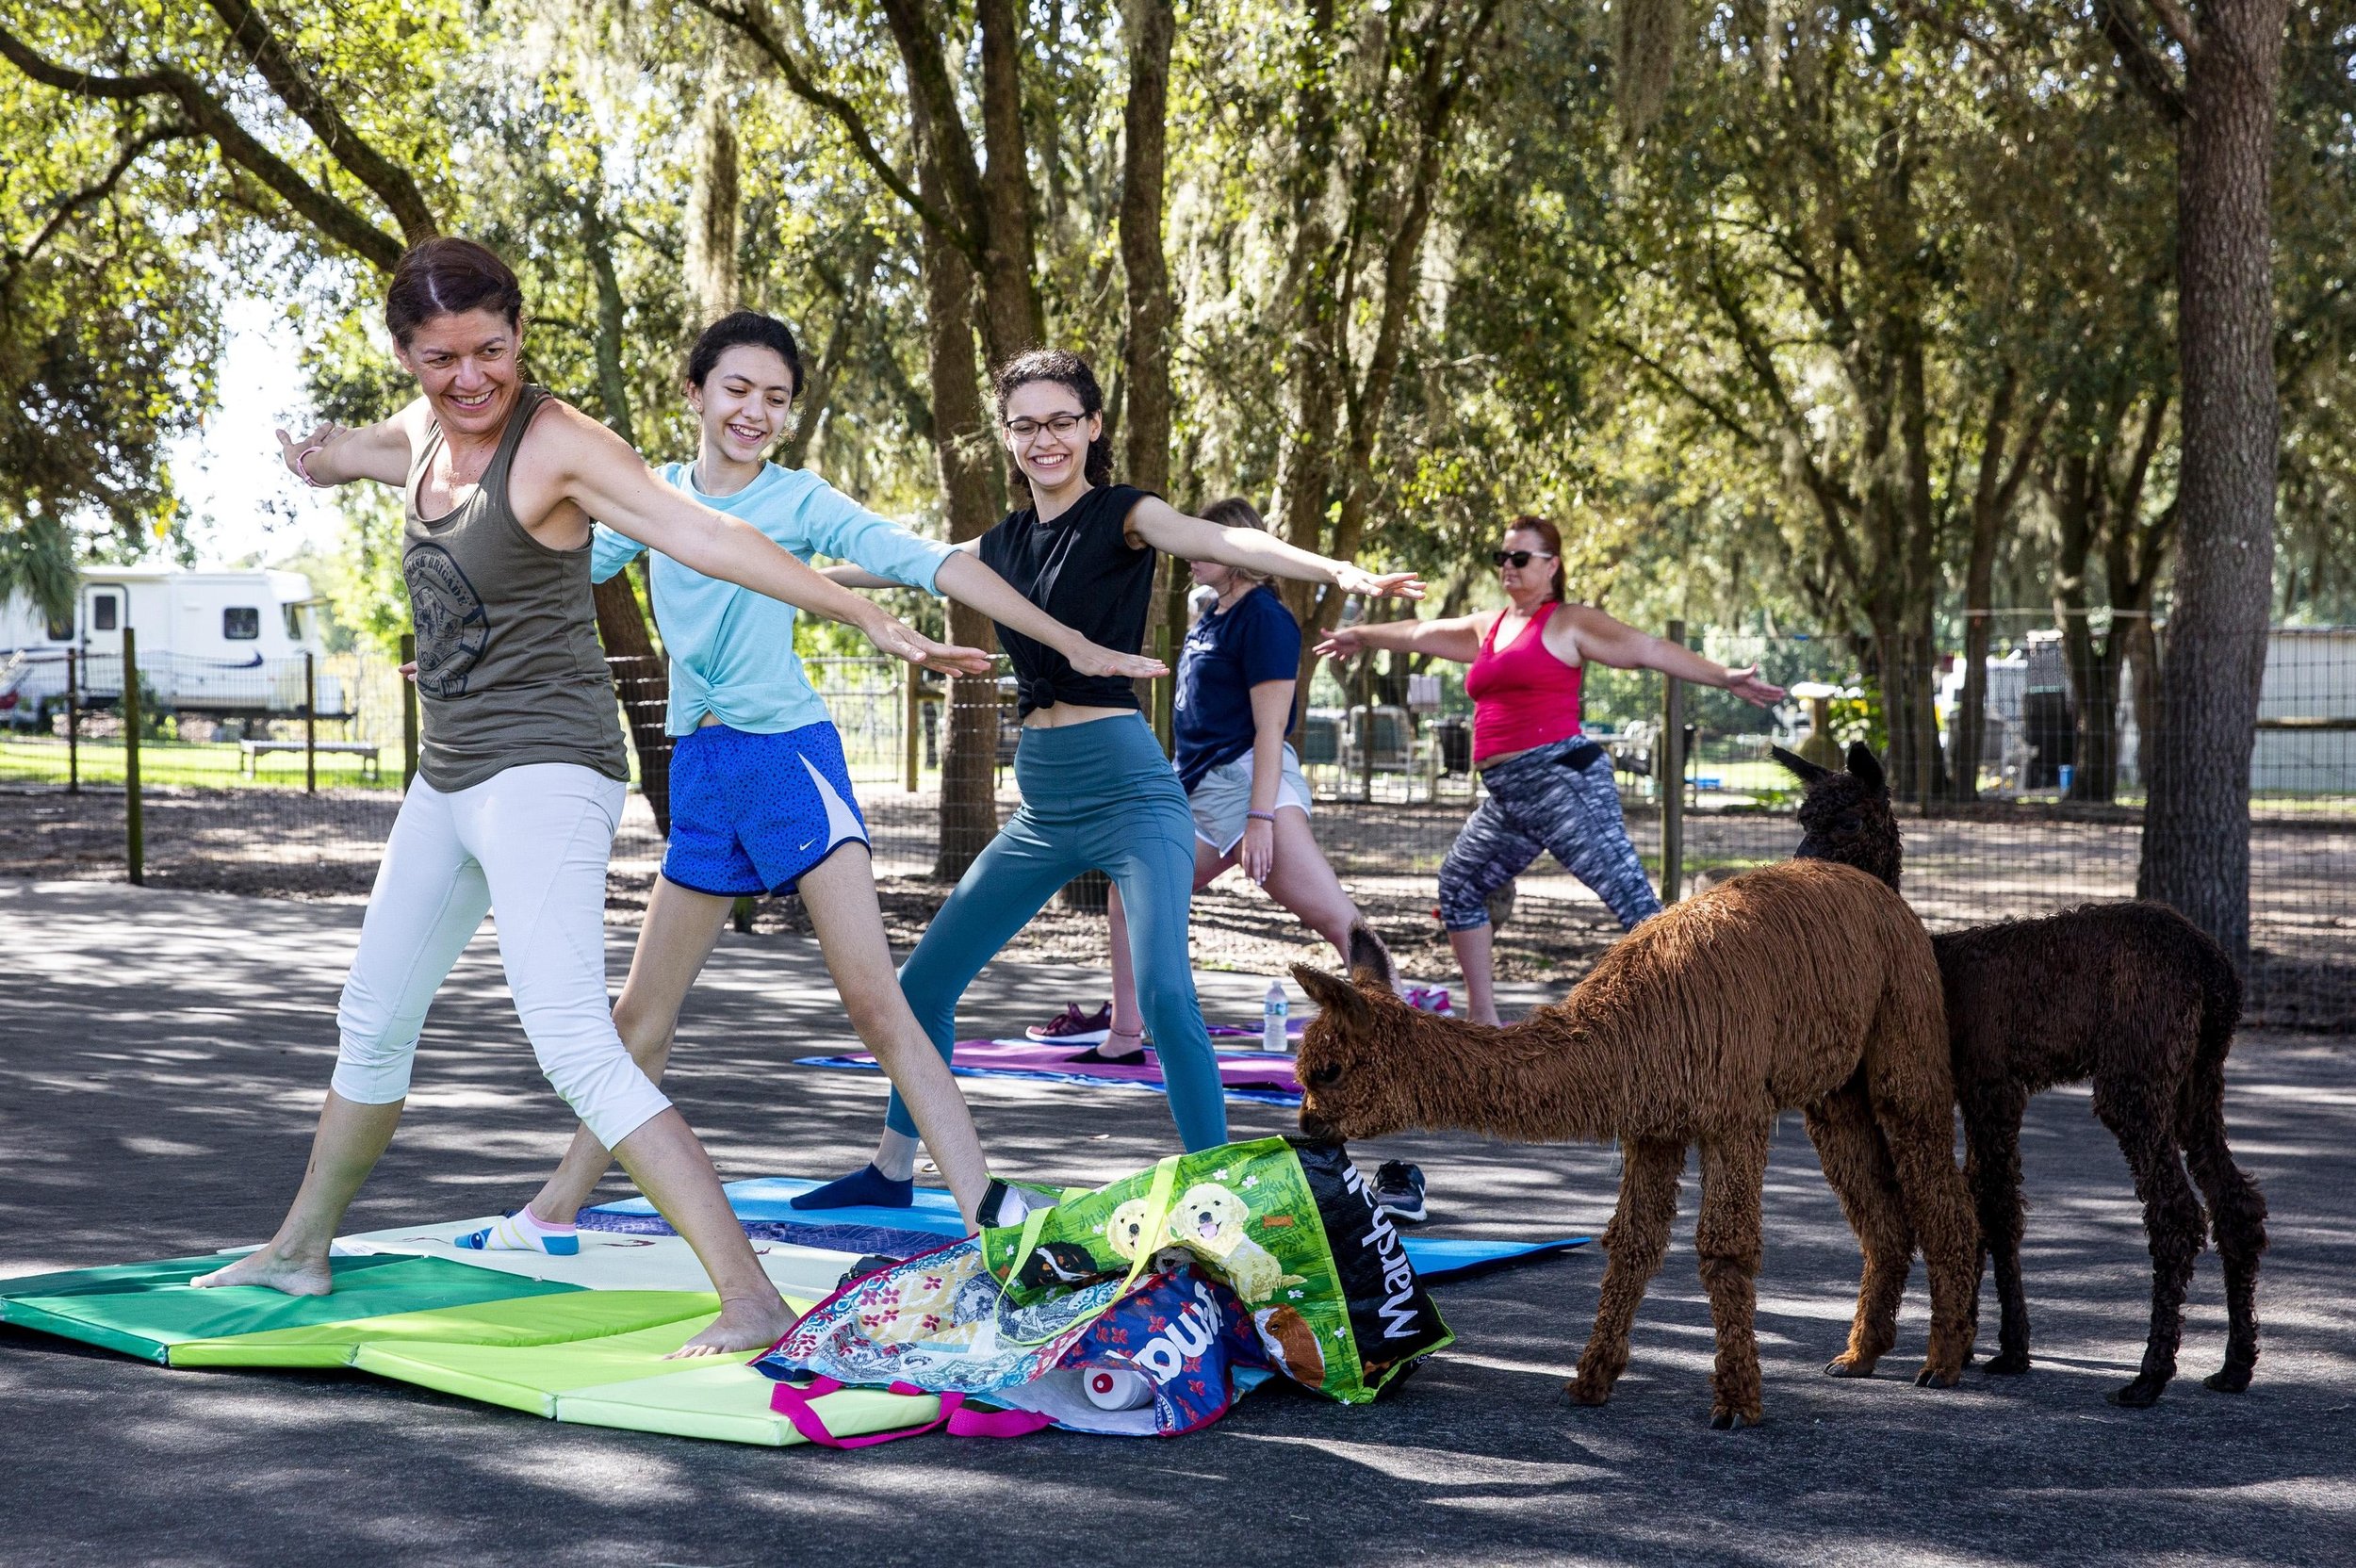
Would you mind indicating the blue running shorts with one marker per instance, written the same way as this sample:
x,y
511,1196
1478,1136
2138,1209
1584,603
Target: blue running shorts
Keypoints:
x,y
750,813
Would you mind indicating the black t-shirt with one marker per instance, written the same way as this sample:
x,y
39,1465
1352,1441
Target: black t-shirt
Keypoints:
x,y
1081,569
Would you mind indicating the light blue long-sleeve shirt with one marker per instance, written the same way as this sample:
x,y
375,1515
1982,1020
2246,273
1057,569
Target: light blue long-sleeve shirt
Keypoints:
x,y
732,649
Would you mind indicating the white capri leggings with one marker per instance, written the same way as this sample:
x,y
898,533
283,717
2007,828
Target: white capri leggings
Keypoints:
x,y
529,846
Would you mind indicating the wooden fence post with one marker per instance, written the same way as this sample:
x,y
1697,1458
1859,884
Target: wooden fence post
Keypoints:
x,y
1165,692
408,712
73,726
1669,776
913,728
310,724
135,826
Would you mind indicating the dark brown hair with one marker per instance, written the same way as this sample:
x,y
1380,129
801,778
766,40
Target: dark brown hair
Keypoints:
x,y
743,329
449,276
1071,372
1530,522
1234,512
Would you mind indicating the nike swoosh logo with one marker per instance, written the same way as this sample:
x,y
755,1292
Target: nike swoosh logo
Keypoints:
x,y
804,844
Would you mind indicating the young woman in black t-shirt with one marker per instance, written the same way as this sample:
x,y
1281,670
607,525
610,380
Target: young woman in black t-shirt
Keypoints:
x,y
1097,794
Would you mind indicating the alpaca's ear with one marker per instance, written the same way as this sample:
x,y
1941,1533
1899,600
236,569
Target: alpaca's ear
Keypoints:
x,y
1369,960
1335,996
1808,771
1866,768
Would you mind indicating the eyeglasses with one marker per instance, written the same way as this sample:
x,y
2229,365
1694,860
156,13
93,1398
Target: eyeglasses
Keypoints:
x,y
1518,558
1059,424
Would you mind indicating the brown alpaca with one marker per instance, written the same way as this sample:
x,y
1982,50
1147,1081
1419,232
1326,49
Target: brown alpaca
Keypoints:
x,y
1683,1033
2132,995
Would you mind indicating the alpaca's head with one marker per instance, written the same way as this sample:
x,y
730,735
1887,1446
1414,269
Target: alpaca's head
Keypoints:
x,y
1846,816
1352,1054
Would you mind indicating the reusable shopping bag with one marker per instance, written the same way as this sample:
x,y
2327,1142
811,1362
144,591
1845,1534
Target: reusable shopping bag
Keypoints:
x,y
1290,1227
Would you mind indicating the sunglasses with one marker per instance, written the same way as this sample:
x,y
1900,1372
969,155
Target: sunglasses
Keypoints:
x,y
1518,558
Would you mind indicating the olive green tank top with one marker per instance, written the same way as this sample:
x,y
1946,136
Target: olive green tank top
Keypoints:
x,y
509,668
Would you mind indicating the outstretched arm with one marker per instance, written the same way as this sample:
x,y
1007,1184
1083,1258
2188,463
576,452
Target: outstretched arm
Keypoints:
x,y
1616,642
1456,639
600,473
1164,527
850,574
965,579
332,454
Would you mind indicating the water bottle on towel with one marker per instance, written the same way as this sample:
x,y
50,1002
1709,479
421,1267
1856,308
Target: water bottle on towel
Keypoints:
x,y
1115,1388
1275,1016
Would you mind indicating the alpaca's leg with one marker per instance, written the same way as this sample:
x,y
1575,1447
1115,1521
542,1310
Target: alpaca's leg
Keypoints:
x,y
2172,1218
1634,1243
1921,1134
1734,1169
1991,1129
1858,1165
2237,1213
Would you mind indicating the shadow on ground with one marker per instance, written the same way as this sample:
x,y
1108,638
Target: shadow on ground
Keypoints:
x,y
163,1055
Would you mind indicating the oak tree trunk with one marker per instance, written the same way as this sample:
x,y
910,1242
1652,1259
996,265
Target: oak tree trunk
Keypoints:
x,y
641,677
2195,837
962,447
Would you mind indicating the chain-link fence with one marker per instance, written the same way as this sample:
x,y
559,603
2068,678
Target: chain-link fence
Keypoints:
x,y
246,786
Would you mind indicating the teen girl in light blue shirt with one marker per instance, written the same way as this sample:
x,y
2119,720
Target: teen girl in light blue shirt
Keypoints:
x,y
760,795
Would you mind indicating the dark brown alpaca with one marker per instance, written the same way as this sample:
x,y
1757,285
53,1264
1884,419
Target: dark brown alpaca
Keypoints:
x,y
2131,995
1683,1033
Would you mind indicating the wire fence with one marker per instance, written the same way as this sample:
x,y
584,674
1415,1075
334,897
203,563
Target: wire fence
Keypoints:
x,y
283,777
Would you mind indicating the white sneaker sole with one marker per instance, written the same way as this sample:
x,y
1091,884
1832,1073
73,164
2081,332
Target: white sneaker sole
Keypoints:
x,y
1085,1036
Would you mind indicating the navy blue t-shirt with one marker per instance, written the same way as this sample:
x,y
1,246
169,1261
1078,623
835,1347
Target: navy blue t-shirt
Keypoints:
x,y
1229,652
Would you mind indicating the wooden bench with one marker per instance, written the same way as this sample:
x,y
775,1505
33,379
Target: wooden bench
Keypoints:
x,y
250,752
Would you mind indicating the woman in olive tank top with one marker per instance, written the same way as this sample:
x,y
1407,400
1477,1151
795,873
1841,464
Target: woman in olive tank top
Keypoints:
x,y
522,771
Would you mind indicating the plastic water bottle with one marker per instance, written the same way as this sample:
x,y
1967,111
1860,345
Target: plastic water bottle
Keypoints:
x,y
1275,1012
1115,1388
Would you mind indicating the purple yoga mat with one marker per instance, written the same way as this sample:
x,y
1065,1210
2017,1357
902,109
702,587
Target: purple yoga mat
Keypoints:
x,y
1236,1068
1256,1075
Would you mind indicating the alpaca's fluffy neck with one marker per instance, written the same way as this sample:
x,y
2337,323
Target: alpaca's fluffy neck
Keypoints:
x,y
1544,1079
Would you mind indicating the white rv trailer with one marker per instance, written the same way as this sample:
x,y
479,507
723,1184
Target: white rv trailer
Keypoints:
x,y
226,642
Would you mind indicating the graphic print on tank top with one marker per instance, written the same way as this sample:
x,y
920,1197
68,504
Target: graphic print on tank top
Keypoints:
x,y
453,627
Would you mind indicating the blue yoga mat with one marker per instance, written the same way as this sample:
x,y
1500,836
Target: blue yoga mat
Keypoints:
x,y
765,1201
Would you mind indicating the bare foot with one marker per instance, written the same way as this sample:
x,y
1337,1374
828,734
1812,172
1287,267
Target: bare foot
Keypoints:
x,y
294,1275
743,1324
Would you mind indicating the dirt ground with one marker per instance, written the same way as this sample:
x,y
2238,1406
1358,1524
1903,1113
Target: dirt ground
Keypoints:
x,y
1960,871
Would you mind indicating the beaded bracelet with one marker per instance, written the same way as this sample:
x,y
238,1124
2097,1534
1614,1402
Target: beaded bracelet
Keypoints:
x,y
1261,816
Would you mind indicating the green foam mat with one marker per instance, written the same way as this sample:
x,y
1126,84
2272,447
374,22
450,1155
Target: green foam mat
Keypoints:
x,y
529,1377
144,1309
729,1402
543,1319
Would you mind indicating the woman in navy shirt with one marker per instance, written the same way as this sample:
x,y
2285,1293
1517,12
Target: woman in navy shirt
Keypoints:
x,y
1237,679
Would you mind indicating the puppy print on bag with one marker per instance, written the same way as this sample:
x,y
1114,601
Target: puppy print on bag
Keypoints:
x,y
1209,1219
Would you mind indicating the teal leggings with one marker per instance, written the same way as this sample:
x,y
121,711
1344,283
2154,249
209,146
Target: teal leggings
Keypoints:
x,y
1095,796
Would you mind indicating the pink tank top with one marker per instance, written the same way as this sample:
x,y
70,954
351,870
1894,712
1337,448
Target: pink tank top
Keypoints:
x,y
1523,695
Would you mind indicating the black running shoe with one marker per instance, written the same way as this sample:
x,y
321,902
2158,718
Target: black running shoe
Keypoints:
x,y
1398,1192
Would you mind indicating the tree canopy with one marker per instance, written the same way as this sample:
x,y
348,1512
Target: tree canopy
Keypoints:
x,y
1858,317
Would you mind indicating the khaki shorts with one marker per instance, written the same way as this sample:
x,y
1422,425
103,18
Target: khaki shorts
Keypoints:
x,y
1223,797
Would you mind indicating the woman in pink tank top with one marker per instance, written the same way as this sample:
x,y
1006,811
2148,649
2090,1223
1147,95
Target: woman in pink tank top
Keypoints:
x,y
1548,788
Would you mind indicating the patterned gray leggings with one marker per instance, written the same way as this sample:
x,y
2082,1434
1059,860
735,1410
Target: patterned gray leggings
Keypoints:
x,y
1540,802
